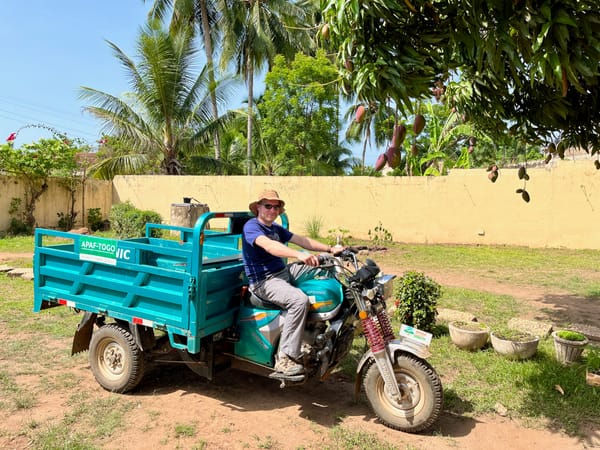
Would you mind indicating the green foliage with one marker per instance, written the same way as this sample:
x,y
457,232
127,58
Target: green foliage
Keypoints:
x,y
592,359
349,438
511,334
299,112
127,221
570,335
66,221
470,325
18,225
379,235
185,430
416,300
539,74
313,226
94,219
167,116
35,163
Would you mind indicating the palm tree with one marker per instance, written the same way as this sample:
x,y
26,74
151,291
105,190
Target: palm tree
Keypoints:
x,y
254,31
187,13
168,113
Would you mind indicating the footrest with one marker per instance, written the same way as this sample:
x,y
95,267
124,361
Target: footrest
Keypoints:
x,y
283,377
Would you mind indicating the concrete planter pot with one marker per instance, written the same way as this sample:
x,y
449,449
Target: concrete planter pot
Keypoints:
x,y
515,345
470,336
568,351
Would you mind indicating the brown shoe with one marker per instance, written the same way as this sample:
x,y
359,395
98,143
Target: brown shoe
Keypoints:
x,y
288,366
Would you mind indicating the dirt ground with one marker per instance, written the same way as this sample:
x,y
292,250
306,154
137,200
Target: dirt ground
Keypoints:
x,y
241,411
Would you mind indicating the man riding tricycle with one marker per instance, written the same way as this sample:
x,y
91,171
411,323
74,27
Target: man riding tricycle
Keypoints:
x,y
222,297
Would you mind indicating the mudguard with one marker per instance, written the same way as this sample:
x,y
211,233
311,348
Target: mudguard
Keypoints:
x,y
83,334
392,347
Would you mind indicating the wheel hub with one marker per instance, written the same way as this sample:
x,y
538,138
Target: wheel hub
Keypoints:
x,y
410,393
113,358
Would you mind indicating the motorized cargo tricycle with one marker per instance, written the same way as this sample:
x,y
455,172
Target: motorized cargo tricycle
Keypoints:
x,y
152,300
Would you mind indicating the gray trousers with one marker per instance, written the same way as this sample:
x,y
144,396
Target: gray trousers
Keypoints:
x,y
279,288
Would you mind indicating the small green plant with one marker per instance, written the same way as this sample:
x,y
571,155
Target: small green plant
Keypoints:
x,y
592,360
508,334
339,236
182,429
470,325
416,300
569,335
66,221
313,227
379,235
18,223
127,221
94,219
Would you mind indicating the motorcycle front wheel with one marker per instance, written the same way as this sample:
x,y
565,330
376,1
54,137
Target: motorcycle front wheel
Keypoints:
x,y
421,400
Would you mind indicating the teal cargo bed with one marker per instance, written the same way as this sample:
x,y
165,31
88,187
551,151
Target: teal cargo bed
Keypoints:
x,y
189,287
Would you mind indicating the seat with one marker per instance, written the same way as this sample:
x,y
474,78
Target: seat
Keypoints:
x,y
258,302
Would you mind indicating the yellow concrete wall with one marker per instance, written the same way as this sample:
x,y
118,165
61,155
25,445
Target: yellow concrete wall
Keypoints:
x,y
463,207
98,194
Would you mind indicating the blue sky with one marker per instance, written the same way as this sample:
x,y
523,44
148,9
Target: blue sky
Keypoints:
x,y
50,48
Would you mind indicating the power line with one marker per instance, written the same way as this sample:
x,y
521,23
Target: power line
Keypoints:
x,y
30,111
51,124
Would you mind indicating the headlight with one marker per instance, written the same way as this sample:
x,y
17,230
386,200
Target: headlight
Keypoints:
x,y
385,285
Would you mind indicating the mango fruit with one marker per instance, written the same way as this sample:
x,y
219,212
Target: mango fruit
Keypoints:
x,y
393,156
398,135
381,160
419,124
360,113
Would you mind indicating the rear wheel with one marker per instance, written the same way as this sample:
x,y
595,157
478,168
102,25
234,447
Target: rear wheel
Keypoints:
x,y
116,361
421,398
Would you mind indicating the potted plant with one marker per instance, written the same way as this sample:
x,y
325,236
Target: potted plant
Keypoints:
x,y
416,300
592,367
469,335
568,345
514,344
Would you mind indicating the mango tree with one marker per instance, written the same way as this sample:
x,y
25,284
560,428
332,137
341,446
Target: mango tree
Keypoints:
x,y
526,67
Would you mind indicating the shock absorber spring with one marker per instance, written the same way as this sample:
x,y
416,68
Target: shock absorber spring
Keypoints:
x,y
374,338
386,327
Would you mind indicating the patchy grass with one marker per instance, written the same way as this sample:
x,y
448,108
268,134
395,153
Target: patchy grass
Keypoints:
x,y
577,271
474,382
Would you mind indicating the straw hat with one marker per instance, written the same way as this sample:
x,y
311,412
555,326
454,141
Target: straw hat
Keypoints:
x,y
268,194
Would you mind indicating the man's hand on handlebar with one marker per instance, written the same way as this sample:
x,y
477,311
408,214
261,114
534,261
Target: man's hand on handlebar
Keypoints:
x,y
337,249
309,259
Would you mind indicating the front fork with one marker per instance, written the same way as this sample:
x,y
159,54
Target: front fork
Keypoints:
x,y
379,333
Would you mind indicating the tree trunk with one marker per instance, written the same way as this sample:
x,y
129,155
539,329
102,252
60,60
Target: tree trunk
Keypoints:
x,y
211,73
250,82
31,198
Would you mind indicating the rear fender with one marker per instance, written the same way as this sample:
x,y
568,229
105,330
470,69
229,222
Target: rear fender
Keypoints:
x,y
144,336
83,334
393,347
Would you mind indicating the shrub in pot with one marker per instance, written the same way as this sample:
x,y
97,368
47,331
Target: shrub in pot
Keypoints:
x,y
469,335
514,344
568,345
416,300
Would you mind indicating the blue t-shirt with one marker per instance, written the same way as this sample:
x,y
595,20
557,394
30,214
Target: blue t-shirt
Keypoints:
x,y
258,263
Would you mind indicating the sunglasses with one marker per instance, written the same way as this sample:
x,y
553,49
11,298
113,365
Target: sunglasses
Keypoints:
x,y
270,206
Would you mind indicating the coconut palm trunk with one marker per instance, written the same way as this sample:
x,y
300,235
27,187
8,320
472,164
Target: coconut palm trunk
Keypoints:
x,y
211,71
250,74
